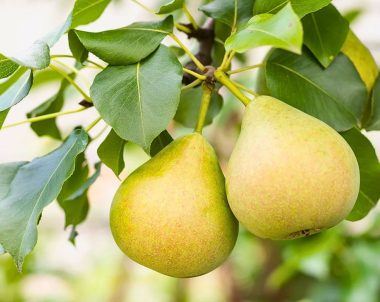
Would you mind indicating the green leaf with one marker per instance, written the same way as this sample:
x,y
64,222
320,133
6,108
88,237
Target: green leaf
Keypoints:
x,y
190,104
3,116
301,7
15,88
7,67
79,52
73,196
129,44
302,82
139,100
160,142
374,123
369,173
283,30
325,33
35,185
52,38
171,7
223,10
37,56
111,152
87,11
54,104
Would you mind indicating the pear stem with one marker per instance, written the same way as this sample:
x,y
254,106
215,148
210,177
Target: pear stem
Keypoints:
x,y
206,97
221,77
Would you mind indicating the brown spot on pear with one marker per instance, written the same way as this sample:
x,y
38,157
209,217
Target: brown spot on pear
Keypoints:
x,y
290,175
172,214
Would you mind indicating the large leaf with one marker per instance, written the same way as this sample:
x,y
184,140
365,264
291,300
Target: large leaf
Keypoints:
x,y
171,7
325,33
79,52
126,45
87,11
73,196
301,7
189,106
35,185
7,67
369,173
37,56
374,123
283,30
15,88
3,116
160,142
223,10
302,82
139,100
111,152
54,104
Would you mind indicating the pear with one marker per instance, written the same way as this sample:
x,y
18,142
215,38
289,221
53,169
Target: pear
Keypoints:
x,y
172,215
290,175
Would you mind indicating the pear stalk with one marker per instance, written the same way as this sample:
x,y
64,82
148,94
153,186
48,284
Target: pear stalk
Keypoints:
x,y
206,97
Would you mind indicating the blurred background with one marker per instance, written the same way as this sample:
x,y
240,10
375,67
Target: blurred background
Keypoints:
x,y
342,264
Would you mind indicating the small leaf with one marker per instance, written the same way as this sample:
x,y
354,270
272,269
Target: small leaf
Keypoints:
x,y
189,106
37,56
15,88
139,100
53,104
303,83
374,123
283,30
87,11
7,67
111,152
325,33
301,7
224,10
369,173
3,116
160,142
126,45
79,52
35,185
171,7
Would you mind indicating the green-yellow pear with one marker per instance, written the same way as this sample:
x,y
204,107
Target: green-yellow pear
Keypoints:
x,y
290,175
172,214
362,59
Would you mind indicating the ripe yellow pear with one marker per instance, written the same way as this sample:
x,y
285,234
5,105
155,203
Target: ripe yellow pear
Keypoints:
x,y
290,175
172,215
362,59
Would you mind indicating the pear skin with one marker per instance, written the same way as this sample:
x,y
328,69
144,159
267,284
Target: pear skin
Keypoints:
x,y
172,215
290,175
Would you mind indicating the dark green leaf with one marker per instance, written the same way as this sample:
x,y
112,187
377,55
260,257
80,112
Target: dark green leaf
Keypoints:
x,y
171,7
301,7
36,56
7,67
283,30
303,83
160,142
189,106
3,116
87,11
325,33
111,152
369,173
15,88
79,52
35,185
53,104
374,123
139,100
126,45
223,10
